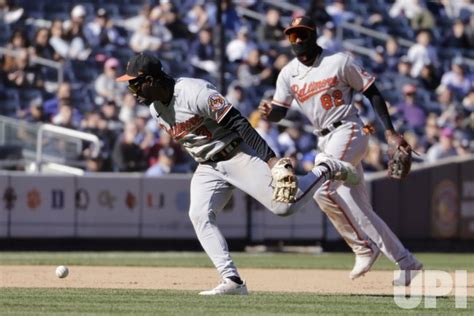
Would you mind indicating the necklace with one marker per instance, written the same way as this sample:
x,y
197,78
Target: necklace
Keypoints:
x,y
310,67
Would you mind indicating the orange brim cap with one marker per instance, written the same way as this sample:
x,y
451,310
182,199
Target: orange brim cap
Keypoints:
x,y
125,78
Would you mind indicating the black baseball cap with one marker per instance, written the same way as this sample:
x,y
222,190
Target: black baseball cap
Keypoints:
x,y
142,64
301,22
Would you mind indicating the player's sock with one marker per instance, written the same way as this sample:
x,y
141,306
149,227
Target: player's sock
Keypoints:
x,y
236,279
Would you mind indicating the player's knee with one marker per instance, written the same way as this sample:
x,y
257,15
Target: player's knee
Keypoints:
x,y
198,217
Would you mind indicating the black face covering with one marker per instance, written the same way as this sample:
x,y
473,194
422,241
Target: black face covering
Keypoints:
x,y
308,47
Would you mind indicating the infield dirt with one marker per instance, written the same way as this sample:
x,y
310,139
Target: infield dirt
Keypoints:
x,y
269,280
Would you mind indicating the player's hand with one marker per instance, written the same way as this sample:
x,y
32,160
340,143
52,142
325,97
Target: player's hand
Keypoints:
x,y
272,161
264,108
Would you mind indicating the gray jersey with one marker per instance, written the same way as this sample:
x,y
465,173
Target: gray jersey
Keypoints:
x,y
191,118
324,90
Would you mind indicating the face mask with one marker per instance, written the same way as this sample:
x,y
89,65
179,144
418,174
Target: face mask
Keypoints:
x,y
307,47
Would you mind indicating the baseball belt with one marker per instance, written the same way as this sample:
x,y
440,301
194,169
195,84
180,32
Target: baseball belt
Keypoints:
x,y
225,153
328,129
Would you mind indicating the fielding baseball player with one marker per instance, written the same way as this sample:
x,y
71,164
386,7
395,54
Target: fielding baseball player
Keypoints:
x,y
323,84
230,154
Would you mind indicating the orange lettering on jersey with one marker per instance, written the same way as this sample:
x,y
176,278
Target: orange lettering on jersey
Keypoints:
x,y
310,89
180,130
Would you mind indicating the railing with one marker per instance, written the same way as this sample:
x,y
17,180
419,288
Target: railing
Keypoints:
x,y
43,144
40,61
63,132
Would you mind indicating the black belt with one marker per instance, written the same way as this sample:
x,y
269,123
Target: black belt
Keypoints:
x,y
328,130
225,153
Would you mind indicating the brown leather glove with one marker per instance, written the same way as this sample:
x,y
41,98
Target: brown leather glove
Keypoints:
x,y
399,155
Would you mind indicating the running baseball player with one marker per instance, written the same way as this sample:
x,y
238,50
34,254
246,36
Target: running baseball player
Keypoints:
x,y
323,84
230,154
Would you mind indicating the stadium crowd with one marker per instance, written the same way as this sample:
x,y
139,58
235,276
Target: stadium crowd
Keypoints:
x,y
429,83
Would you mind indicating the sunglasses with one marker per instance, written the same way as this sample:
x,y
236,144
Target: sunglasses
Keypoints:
x,y
135,84
303,35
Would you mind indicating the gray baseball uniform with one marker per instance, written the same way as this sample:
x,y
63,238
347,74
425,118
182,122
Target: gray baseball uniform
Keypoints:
x,y
192,118
324,92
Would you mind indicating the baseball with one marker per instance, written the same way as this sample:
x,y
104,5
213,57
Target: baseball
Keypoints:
x,y
62,272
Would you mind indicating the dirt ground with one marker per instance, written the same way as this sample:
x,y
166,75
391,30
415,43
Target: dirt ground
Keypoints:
x,y
271,280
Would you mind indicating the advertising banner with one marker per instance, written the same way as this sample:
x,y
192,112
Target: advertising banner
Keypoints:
x,y
43,206
108,206
7,202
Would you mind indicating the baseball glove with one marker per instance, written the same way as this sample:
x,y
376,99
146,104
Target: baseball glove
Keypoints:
x,y
285,181
399,155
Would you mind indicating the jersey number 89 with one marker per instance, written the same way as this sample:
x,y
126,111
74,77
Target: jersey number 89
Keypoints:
x,y
333,99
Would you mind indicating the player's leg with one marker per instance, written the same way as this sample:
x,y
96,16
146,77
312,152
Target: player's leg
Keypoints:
x,y
346,143
253,176
209,194
376,229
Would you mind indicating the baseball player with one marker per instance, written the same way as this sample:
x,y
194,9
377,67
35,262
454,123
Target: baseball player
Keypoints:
x,y
230,154
322,84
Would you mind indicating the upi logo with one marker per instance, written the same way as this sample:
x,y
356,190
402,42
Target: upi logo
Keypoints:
x,y
431,284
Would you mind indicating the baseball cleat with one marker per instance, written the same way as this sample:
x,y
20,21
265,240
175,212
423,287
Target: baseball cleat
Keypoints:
x,y
410,267
363,264
227,287
338,169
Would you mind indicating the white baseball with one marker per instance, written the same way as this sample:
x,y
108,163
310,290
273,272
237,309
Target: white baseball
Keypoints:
x,y
62,272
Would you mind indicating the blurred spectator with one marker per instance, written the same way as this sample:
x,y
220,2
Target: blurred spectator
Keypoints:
x,y
111,114
445,98
58,41
410,111
429,78
443,149
374,160
74,34
164,164
237,96
23,75
18,41
328,40
143,39
269,133
51,106
402,77
134,23
238,48
35,112
457,80
181,160
470,31
317,12
253,75
270,32
230,17
127,156
202,54
422,53
174,23
392,53
197,18
101,33
65,117
378,60
468,102
422,18
280,61
415,142
105,85
455,9
41,47
430,135
8,13
457,37
339,14
463,147
144,138
94,122
129,108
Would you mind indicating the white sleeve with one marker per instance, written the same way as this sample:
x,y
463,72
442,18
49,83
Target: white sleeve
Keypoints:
x,y
283,95
355,76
